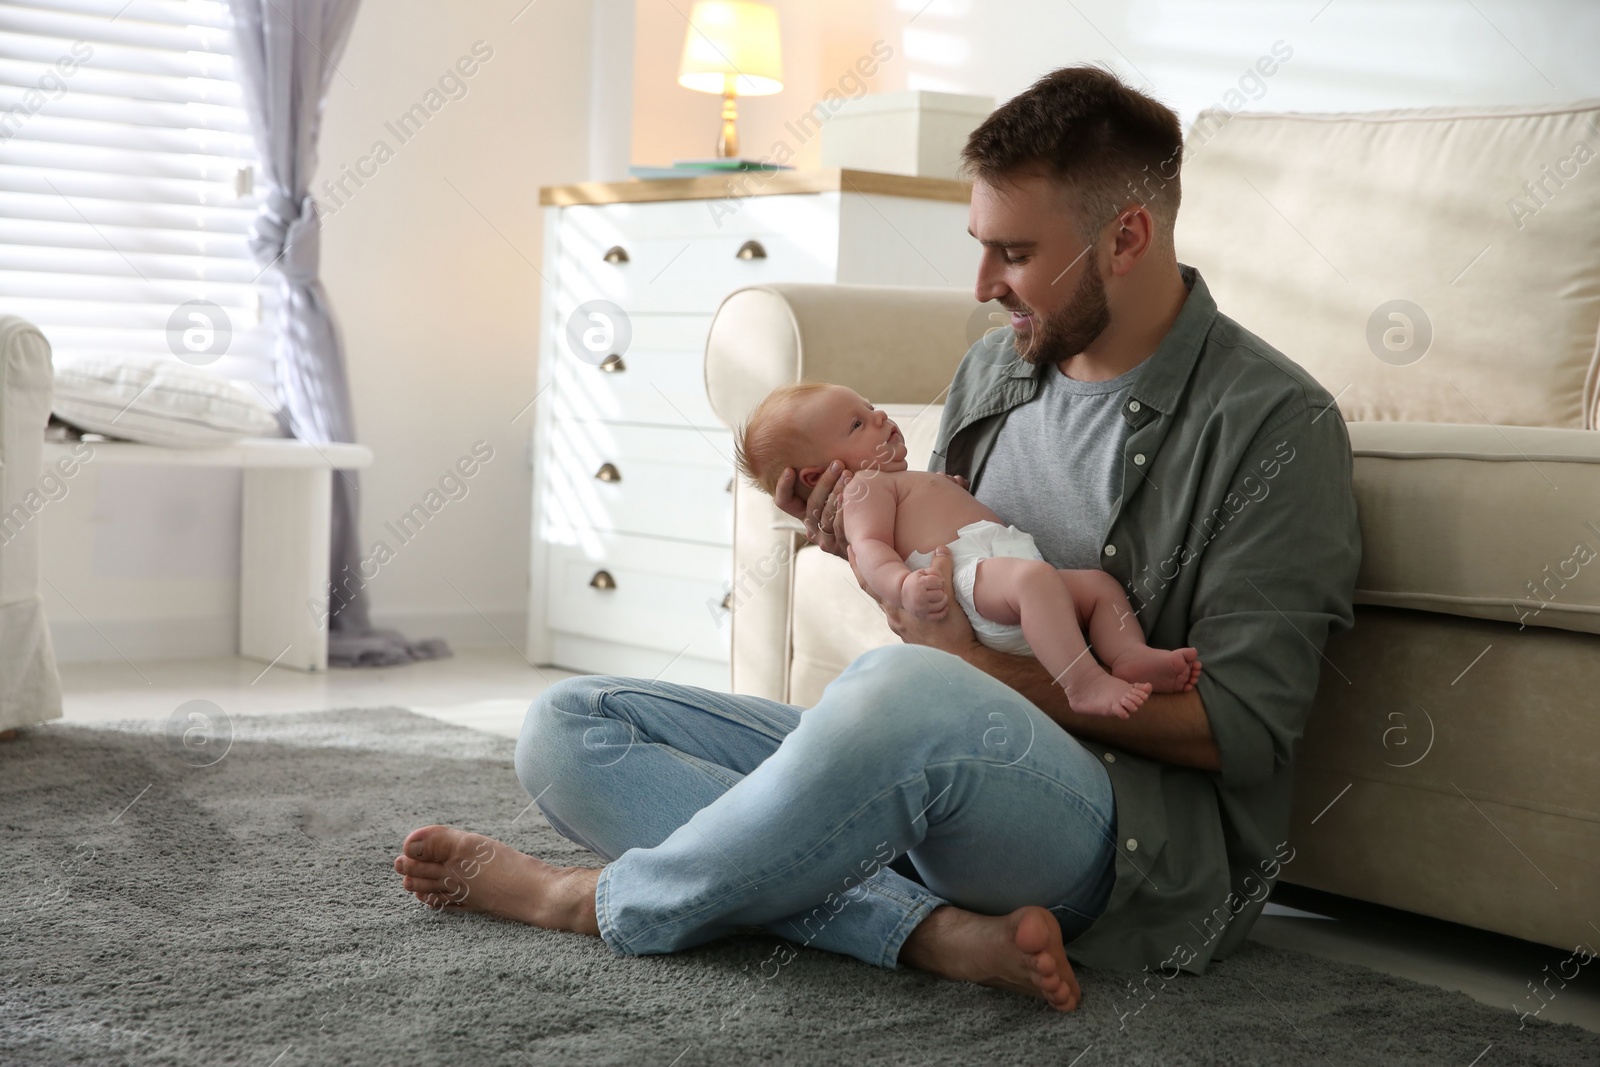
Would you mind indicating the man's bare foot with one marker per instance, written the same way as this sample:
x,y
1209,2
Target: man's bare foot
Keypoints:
x,y
1168,672
448,868
1021,952
1101,694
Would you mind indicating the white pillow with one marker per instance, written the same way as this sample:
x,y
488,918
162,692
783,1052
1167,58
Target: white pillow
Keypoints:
x,y
158,400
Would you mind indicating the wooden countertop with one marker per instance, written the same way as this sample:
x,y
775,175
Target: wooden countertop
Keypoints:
x,y
740,184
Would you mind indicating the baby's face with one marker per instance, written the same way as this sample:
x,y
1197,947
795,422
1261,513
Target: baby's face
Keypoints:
x,y
840,425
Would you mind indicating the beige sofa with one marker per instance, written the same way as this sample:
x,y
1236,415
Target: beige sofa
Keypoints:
x,y
1452,762
29,689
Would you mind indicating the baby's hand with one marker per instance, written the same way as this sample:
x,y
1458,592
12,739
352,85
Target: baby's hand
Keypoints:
x,y
922,594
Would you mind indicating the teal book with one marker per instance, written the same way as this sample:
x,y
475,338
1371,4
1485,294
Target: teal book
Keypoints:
x,y
699,168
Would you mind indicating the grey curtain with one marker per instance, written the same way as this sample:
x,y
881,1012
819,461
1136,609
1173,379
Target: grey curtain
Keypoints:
x,y
287,51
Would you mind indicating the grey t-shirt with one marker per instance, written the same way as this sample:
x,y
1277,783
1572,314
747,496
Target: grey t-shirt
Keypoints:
x,y
1055,469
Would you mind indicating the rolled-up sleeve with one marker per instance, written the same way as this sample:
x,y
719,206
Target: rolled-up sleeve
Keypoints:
x,y
1275,578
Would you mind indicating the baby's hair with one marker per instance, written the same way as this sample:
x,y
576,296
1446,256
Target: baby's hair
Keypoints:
x,y
765,445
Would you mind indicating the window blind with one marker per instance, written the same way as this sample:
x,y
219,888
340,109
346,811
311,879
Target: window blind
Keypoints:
x,y
125,164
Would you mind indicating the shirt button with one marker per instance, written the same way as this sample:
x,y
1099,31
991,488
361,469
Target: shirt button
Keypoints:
x,y
1111,550
1133,405
1133,846
1138,461
1110,758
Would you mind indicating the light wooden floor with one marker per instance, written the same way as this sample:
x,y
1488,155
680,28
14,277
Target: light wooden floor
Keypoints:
x,y
485,689
489,689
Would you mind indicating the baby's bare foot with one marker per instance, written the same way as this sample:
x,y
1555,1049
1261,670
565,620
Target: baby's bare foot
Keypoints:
x,y
1167,672
1101,694
923,594
452,869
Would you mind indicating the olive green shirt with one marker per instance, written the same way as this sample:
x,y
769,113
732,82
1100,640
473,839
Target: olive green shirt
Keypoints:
x,y
1236,533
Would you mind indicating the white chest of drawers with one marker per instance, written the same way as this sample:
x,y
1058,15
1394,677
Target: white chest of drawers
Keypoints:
x,y
633,474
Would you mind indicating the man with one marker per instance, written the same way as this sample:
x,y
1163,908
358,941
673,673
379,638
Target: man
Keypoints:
x,y
924,812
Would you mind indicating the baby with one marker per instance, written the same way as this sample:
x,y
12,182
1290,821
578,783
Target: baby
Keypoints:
x,y
895,517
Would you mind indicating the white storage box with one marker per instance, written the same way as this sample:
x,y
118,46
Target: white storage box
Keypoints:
x,y
917,133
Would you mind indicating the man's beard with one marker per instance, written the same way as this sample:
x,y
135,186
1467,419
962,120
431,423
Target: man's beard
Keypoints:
x,y
1065,333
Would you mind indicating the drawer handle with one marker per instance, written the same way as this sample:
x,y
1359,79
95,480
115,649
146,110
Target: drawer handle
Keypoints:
x,y
616,254
613,365
727,602
751,250
608,473
729,487
602,580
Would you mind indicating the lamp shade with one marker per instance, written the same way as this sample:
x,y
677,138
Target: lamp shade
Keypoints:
x,y
732,46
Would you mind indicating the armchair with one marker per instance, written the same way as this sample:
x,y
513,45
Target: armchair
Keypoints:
x,y
30,691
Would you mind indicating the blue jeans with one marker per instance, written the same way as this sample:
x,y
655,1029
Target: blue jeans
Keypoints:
x,y
718,812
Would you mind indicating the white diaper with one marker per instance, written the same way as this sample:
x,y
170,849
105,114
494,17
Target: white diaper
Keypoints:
x,y
974,543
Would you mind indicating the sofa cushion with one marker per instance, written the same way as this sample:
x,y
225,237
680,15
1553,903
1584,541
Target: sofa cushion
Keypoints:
x,y
834,622
1307,227
1492,522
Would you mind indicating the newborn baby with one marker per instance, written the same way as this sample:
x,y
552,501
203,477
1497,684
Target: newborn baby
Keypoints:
x,y
894,518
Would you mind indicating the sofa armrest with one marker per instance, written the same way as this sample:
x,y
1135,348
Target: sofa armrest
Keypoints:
x,y
30,691
894,345
1483,521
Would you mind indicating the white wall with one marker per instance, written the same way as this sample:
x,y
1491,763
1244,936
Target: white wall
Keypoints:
x,y
1347,55
432,269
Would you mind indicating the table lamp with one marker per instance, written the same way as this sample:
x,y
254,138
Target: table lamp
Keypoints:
x,y
731,48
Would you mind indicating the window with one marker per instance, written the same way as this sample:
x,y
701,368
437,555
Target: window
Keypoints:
x,y
125,183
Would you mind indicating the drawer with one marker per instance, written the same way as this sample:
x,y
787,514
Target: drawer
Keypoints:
x,y
638,591
660,378
648,480
683,274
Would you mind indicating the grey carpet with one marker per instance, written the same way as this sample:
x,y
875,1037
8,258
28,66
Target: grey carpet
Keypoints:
x,y
245,913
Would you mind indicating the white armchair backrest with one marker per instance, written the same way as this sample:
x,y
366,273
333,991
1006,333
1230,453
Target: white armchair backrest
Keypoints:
x,y
29,689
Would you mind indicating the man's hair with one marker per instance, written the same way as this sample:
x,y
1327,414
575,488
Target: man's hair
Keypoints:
x,y
769,441
1107,142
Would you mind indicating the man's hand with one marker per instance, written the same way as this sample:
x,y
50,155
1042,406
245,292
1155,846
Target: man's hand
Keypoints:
x,y
822,511
950,632
922,594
